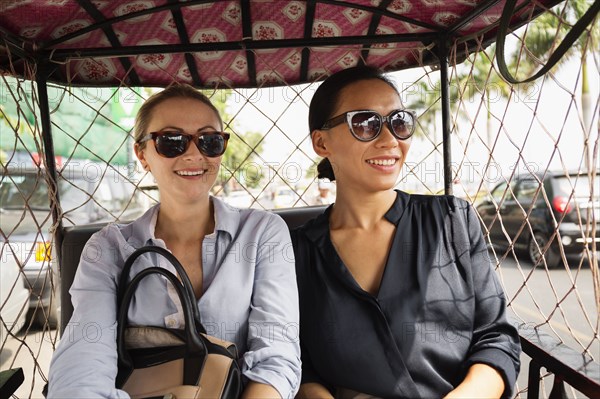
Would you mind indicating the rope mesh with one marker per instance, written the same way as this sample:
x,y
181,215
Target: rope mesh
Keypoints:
x,y
516,150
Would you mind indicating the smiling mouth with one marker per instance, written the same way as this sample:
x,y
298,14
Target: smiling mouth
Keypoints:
x,y
382,162
190,173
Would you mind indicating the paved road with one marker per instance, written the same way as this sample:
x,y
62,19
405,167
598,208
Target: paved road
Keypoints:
x,y
561,300
22,351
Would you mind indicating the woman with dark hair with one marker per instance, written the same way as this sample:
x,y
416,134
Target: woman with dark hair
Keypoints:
x,y
397,295
246,295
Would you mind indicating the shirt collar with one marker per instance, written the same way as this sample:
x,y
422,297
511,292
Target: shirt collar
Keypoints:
x,y
395,212
318,228
227,219
144,226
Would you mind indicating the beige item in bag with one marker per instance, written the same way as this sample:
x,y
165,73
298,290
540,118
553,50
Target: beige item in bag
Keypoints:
x,y
158,362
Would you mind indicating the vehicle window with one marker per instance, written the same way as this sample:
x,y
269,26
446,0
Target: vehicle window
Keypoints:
x,y
105,196
527,191
498,192
16,190
582,186
72,194
32,189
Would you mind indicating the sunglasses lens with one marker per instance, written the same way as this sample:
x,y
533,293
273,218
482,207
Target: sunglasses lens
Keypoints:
x,y
402,123
212,145
172,145
366,125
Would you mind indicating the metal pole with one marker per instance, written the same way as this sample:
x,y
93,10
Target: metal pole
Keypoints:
x,y
445,86
41,77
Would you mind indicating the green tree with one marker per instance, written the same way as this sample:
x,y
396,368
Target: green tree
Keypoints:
x,y
239,165
15,117
82,124
93,123
426,99
544,34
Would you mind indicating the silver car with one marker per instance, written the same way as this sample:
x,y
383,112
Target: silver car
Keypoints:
x,y
26,220
13,300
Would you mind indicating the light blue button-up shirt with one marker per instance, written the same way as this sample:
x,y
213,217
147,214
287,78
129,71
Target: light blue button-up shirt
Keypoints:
x,y
250,299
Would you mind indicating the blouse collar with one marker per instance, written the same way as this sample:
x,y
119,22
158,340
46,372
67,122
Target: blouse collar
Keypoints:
x,y
227,219
318,228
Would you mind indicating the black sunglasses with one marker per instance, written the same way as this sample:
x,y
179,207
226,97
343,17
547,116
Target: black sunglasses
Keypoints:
x,y
173,143
365,125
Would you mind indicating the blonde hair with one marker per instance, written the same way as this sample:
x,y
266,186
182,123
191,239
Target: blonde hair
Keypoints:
x,y
144,115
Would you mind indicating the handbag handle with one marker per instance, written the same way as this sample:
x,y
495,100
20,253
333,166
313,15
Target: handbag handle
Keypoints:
x,y
195,341
185,280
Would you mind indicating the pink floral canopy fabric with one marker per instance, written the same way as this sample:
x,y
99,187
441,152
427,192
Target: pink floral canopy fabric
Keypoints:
x,y
253,43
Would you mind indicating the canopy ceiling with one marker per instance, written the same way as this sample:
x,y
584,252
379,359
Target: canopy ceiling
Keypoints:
x,y
237,43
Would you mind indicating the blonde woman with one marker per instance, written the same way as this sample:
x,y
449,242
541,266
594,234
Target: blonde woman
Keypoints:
x,y
249,299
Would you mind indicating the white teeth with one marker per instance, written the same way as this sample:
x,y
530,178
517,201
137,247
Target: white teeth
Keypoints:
x,y
382,162
189,173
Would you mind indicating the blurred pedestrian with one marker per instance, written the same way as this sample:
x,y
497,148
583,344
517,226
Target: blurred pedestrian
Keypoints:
x,y
324,197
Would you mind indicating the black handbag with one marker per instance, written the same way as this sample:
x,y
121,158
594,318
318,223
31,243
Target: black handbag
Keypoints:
x,y
158,361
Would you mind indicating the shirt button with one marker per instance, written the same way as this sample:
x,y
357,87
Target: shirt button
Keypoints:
x,y
171,323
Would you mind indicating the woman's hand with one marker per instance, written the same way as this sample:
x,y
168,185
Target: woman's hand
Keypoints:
x,y
258,390
312,390
482,381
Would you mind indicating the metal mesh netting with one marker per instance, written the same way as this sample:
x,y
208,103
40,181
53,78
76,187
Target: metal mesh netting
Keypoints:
x,y
526,156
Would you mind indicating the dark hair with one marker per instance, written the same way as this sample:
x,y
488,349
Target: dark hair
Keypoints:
x,y
142,119
326,100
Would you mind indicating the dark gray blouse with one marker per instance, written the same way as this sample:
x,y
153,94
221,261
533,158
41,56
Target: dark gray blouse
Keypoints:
x,y
439,309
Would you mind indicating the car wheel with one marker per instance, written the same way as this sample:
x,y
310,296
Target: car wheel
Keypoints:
x,y
535,254
47,316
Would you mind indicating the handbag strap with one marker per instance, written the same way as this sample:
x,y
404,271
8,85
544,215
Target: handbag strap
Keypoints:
x,y
195,342
185,280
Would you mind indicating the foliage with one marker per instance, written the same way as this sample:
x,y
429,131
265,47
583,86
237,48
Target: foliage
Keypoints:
x,y
239,161
544,35
238,166
546,32
82,123
95,124
426,99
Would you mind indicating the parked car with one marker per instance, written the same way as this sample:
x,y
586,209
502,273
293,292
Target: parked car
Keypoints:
x,y
284,197
26,221
13,300
239,199
557,202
